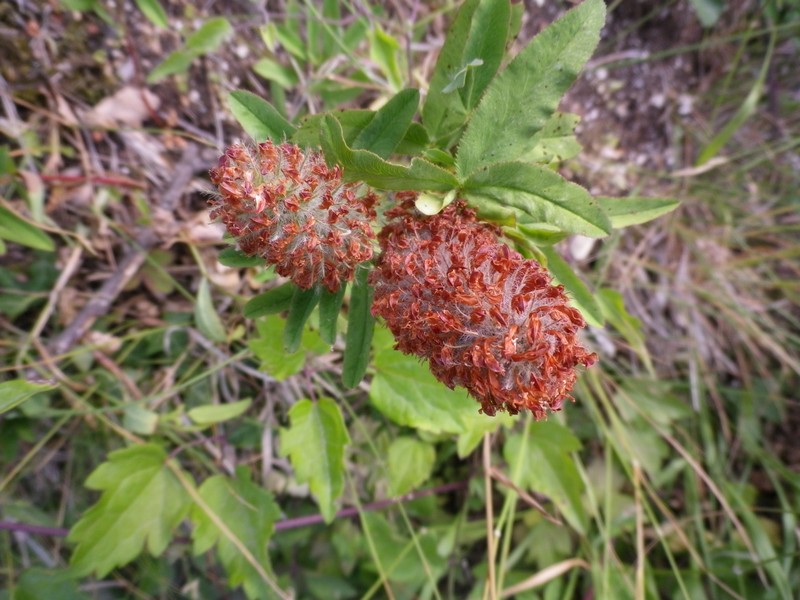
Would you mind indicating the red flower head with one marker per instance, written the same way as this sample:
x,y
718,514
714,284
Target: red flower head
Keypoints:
x,y
485,317
290,208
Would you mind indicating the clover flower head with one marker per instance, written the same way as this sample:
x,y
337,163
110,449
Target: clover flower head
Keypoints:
x,y
485,317
287,206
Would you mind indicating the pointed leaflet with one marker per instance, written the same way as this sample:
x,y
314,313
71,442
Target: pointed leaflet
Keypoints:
x,y
540,461
315,444
362,165
205,315
15,392
360,326
541,195
273,301
521,99
141,505
303,304
636,210
249,512
389,125
478,34
329,306
259,118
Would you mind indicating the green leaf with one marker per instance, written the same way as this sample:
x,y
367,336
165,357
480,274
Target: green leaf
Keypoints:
x,y
473,50
406,392
303,304
521,99
176,62
410,464
276,300
209,36
540,460
384,51
273,71
362,165
541,196
329,307
315,444
216,413
16,391
555,141
623,212
360,326
41,584
580,294
477,425
139,419
708,11
153,10
268,348
249,512
389,125
259,118
17,230
235,258
142,503
352,123
205,315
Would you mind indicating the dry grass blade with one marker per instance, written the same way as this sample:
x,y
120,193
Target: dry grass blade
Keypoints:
x,y
545,575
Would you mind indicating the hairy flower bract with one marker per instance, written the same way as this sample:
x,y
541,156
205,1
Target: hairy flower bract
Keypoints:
x,y
287,206
485,317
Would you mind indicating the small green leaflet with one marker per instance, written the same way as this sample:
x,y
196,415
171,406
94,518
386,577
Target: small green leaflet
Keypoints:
x,y
153,10
362,165
329,306
259,118
360,326
142,503
541,195
232,257
269,349
17,230
249,512
303,304
216,413
207,38
624,212
276,300
389,125
384,51
205,314
410,464
521,99
315,444
16,391
539,459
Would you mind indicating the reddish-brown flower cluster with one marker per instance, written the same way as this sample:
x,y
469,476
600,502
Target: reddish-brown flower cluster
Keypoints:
x,y
290,208
485,317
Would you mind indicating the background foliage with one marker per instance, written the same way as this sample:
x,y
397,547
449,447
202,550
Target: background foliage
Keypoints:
x,y
186,454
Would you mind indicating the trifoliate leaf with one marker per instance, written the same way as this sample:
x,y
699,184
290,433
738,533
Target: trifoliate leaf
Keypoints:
x,y
315,445
141,505
249,512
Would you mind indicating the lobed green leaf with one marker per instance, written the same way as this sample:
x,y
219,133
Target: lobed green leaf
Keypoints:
x,y
315,443
142,503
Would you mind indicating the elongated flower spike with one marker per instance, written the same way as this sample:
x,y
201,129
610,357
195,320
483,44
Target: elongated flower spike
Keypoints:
x,y
288,207
485,317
